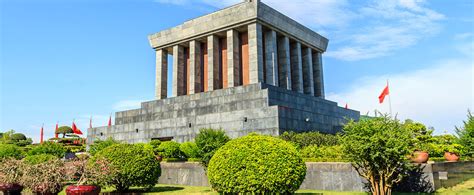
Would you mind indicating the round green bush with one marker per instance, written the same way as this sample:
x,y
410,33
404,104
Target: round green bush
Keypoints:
x,y
170,149
10,151
39,158
99,145
136,165
155,144
189,149
18,136
256,164
52,148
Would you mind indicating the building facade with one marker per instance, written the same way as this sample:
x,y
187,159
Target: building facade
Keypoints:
x,y
245,68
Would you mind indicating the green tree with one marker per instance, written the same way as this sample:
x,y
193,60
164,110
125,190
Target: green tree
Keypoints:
x,y
378,149
466,135
209,141
64,130
422,137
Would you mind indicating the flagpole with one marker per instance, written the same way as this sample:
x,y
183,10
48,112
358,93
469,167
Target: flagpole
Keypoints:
x,y
389,100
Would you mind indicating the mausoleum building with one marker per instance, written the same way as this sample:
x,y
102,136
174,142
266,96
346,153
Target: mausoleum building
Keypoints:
x,y
245,68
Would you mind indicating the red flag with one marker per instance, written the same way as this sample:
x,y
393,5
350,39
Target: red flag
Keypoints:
x,y
384,93
56,130
347,107
75,129
110,121
41,134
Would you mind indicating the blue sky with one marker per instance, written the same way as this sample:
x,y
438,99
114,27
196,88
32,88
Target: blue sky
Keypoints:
x,y
65,60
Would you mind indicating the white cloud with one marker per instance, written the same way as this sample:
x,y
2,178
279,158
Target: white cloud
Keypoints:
x,y
127,105
437,96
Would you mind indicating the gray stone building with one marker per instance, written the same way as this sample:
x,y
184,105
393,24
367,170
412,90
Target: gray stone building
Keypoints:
x,y
245,68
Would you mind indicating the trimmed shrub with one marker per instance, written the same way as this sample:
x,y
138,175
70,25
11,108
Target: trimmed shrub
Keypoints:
x,y
256,164
302,140
39,158
323,153
10,151
155,144
99,145
136,165
64,130
209,141
18,136
189,149
170,149
55,149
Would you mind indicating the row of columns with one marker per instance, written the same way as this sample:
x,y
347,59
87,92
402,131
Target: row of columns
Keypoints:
x,y
240,59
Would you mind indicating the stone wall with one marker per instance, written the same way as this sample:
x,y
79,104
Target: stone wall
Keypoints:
x,y
333,176
239,110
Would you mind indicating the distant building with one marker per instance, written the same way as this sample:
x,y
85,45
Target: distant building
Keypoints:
x,y
246,68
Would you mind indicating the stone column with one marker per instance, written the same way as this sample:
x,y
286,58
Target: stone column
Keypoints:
x,y
255,53
284,66
318,75
233,72
271,58
179,77
213,63
161,82
296,67
195,66
308,82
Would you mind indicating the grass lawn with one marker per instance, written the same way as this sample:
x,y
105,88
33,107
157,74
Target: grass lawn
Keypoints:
x,y
465,188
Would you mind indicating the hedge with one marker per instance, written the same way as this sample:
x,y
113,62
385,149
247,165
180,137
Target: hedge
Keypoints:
x,y
10,151
256,164
48,148
170,149
189,149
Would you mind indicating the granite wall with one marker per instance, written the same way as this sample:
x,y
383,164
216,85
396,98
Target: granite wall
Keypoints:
x,y
239,110
333,176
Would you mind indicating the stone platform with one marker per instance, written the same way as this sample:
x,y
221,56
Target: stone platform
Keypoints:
x,y
260,108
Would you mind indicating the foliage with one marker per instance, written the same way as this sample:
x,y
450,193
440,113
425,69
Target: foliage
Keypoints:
x,y
466,135
378,148
18,136
5,139
256,164
422,138
10,151
445,143
39,158
48,148
209,141
155,144
302,140
75,149
136,165
170,149
45,177
189,149
11,170
64,130
323,153
19,139
99,145
85,172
